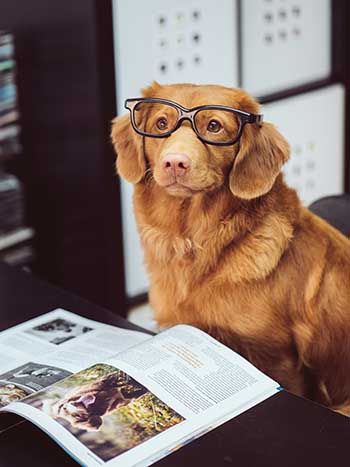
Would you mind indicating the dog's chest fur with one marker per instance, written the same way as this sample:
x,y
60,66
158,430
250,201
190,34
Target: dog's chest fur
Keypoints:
x,y
216,270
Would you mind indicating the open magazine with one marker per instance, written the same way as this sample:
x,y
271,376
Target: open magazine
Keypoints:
x,y
118,397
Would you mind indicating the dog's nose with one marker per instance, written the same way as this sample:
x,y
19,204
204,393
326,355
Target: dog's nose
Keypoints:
x,y
176,164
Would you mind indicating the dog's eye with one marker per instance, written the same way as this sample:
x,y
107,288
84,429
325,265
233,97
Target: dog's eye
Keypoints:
x,y
214,126
162,123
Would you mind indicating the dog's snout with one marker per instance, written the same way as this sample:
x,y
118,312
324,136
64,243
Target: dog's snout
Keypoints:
x,y
176,164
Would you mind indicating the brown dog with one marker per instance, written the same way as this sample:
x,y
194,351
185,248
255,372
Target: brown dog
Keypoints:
x,y
230,249
85,407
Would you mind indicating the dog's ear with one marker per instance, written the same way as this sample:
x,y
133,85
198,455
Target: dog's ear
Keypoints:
x,y
128,145
93,423
151,90
263,151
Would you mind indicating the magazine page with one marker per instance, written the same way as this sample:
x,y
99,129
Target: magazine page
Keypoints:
x,y
47,349
138,406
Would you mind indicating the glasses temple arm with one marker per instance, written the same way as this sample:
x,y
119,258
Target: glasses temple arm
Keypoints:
x,y
256,118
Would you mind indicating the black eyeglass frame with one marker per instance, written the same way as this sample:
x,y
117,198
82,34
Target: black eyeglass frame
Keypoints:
x,y
190,114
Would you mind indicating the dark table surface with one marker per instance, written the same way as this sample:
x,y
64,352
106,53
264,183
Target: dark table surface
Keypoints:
x,y
283,430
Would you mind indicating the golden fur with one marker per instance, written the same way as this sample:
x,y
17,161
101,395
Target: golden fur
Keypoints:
x,y
232,251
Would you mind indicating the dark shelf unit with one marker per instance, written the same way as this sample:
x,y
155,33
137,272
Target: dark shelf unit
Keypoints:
x,y
66,87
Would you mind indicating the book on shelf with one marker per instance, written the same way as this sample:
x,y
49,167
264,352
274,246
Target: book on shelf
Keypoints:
x,y
119,397
9,114
11,204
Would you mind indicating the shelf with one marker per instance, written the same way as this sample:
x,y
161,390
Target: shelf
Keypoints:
x,y
15,237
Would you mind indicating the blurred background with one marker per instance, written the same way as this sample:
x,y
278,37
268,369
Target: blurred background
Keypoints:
x,y
66,68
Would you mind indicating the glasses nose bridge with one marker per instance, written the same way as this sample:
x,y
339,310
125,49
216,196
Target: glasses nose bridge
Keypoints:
x,y
185,114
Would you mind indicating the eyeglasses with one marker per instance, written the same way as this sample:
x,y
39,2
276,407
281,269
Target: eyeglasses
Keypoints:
x,y
213,124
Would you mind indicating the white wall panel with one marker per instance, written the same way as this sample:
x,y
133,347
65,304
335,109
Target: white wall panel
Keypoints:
x,y
313,123
285,43
169,41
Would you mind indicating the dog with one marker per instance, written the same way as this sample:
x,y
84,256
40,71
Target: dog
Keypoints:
x,y
85,407
229,248
10,393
